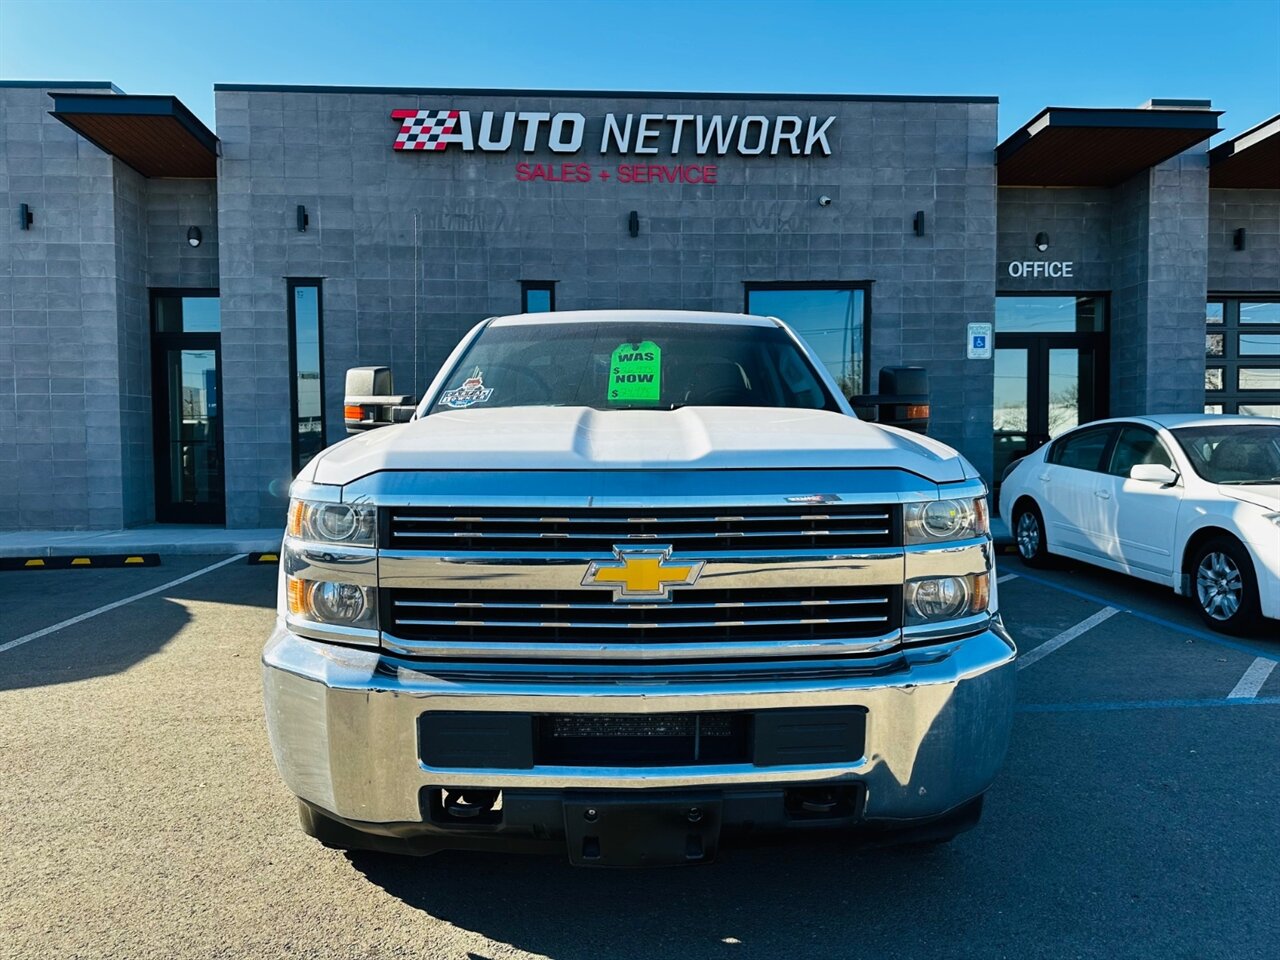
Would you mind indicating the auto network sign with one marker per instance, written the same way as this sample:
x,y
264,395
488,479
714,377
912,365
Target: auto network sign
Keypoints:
x,y
624,135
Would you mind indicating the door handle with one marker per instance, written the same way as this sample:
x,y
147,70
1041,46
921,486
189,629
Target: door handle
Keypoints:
x,y
1045,477
1102,494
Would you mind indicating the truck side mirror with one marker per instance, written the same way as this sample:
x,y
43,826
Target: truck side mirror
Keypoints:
x,y
903,400
369,401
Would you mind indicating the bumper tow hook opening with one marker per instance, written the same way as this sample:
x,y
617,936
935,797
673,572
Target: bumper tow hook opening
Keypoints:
x,y
471,804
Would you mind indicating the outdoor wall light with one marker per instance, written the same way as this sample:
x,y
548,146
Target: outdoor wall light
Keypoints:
x,y
633,223
1237,238
303,219
25,217
1042,241
917,223
194,236
824,201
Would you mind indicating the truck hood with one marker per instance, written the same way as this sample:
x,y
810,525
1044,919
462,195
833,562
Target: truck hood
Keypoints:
x,y
582,438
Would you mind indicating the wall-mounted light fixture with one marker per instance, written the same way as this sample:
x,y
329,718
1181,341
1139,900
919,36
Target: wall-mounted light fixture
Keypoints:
x,y
303,220
1042,241
1237,238
824,201
25,217
194,236
917,223
633,223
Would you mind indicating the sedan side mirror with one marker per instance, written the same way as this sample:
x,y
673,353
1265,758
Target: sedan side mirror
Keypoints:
x,y
369,402
1153,473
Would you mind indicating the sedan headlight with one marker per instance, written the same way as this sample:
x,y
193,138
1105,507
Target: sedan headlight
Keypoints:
x,y
345,523
945,598
935,521
336,604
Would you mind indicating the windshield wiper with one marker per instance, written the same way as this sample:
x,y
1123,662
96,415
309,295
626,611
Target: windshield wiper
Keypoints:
x,y
1246,483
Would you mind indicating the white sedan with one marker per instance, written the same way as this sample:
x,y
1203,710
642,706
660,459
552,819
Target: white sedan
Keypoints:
x,y
1189,501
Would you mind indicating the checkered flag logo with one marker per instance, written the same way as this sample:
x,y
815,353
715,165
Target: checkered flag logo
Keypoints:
x,y
424,129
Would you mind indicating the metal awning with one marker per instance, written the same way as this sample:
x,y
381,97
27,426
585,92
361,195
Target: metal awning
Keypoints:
x,y
1080,147
1249,160
156,135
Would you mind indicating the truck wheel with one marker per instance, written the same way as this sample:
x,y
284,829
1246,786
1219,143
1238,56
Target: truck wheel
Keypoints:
x,y
1029,535
1224,587
328,831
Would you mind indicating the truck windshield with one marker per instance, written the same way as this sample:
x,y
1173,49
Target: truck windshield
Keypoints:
x,y
1233,452
622,366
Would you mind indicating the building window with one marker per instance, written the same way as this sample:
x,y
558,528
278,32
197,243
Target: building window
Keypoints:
x,y
831,317
1242,348
537,296
306,354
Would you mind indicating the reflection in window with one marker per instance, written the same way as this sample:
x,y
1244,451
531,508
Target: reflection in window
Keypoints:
x,y
1213,312
538,296
1260,409
1260,344
1050,315
1214,408
832,320
1260,378
1259,312
1213,343
1213,378
308,371
176,313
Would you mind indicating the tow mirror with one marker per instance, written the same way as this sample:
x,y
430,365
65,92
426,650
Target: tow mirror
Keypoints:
x,y
903,400
369,401
1153,473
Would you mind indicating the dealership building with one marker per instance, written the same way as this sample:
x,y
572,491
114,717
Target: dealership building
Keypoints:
x,y
178,306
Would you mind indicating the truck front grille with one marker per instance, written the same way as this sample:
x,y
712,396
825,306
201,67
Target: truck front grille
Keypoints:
x,y
588,617
836,527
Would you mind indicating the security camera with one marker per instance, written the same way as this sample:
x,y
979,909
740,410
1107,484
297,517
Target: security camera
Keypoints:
x,y
824,201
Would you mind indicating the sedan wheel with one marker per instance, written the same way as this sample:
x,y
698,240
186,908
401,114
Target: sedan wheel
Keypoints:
x,y
1219,586
1226,590
1028,534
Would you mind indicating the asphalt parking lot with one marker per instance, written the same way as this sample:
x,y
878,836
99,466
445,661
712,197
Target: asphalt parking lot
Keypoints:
x,y
141,815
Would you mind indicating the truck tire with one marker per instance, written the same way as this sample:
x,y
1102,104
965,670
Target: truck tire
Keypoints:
x,y
1224,587
1029,534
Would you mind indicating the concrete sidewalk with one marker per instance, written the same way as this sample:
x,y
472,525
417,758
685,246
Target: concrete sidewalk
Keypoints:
x,y
163,539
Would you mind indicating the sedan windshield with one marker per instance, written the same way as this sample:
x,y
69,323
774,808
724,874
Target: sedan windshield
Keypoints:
x,y
1233,452
641,365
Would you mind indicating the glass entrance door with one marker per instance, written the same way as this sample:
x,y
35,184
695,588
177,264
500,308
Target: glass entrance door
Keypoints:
x,y
187,416
1050,371
1044,386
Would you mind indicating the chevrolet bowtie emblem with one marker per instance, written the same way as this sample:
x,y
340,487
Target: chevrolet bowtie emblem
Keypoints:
x,y
642,573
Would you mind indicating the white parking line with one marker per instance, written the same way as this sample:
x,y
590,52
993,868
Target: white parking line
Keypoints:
x,y
1007,577
1253,679
119,603
1065,637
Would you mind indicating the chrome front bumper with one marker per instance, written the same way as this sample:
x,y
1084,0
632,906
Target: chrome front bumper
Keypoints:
x,y
344,727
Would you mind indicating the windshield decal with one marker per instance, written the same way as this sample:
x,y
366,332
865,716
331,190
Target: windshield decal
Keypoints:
x,y
635,373
471,392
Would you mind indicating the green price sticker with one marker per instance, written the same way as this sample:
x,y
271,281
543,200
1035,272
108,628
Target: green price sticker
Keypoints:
x,y
635,373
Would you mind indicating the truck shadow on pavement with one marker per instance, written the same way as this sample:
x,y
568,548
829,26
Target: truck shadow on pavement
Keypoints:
x,y
807,897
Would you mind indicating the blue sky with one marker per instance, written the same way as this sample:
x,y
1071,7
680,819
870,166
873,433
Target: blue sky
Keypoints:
x,y
1030,54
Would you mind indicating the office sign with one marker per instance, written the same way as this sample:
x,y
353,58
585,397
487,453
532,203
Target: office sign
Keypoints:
x,y
1053,269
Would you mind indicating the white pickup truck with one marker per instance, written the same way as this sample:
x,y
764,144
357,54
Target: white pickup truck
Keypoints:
x,y
627,582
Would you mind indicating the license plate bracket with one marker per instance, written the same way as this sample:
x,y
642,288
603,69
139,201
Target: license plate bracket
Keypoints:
x,y
607,830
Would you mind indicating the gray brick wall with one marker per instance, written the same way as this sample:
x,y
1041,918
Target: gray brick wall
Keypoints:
x,y
59,378
416,248
1256,268
75,373
1143,241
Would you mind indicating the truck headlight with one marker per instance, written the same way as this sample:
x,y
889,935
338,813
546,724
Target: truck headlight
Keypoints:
x,y
348,523
337,604
945,598
934,521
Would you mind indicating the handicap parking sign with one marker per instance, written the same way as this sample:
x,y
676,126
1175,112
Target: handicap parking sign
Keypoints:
x,y
979,347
